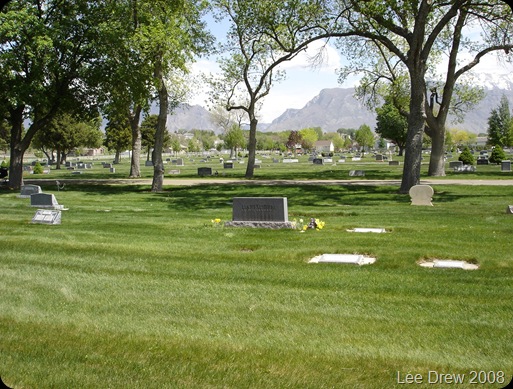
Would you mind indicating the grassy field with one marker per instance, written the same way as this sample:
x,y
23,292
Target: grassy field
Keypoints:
x,y
141,290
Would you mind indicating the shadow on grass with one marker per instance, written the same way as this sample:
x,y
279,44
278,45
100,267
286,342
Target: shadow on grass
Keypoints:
x,y
218,196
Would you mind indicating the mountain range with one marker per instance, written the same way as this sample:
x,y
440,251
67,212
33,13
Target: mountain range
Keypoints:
x,y
336,108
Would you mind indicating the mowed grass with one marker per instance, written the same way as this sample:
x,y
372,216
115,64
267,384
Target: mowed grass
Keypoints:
x,y
140,290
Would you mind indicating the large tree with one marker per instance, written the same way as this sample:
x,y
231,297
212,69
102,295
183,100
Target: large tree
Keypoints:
x,y
66,133
173,35
262,36
118,136
364,137
47,51
415,32
390,124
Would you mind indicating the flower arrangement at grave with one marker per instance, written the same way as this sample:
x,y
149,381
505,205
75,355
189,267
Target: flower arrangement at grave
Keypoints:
x,y
216,222
314,224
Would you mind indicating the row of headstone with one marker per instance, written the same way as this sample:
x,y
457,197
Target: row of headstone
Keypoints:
x,y
51,214
272,212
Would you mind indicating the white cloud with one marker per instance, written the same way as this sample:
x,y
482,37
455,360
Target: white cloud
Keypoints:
x,y
303,80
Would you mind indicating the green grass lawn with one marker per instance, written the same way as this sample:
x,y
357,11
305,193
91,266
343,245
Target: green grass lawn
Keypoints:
x,y
140,290
304,170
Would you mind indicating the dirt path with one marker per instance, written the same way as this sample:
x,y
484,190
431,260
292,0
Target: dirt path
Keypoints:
x,y
220,181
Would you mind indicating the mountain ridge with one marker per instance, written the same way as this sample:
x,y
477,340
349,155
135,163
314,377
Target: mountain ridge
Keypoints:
x,y
335,108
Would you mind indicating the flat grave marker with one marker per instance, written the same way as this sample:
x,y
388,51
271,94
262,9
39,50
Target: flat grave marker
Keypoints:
x,y
46,216
354,259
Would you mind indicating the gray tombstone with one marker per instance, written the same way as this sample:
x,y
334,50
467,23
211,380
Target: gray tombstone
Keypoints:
x,y
455,164
356,173
46,216
393,163
148,163
228,165
260,212
318,161
505,166
379,157
44,200
28,190
179,162
204,171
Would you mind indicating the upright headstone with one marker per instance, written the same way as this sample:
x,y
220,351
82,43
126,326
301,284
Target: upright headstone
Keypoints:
x,y
44,200
228,165
260,212
28,190
204,171
148,163
318,161
505,166
421,195
179,162
356,173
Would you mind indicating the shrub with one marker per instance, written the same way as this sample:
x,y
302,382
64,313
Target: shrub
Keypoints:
x,y
38,169
5,163
466,157
498,155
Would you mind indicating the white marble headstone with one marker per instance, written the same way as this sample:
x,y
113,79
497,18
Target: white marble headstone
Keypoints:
x,y
421,195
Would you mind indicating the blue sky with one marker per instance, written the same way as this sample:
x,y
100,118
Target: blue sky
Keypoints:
x,y
303,82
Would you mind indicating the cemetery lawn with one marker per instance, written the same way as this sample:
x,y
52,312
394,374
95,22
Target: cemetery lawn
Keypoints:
x,y
142,290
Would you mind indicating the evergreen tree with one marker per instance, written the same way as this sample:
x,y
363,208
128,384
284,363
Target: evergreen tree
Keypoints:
x,y
500,125
497,155
466,157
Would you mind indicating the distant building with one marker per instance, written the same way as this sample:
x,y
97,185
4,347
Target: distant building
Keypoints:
x,y
324,146
93,152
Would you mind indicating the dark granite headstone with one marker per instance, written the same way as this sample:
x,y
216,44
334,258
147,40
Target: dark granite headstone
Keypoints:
x,y
318,161
28,190
263,212
43,200
204,171
505,166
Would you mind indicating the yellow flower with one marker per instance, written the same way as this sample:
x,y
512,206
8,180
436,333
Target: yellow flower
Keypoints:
x,y
217,220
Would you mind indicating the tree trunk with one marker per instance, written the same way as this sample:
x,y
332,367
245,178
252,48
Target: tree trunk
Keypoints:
x,y
158,164
416,124
18,148
58,162
16,169
135,167
252,147
437,158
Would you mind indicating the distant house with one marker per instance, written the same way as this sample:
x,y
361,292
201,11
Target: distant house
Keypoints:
x,y
324,146
94,152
